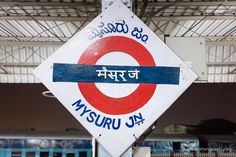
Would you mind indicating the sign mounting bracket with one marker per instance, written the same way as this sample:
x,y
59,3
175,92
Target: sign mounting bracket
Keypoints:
x,y
107,3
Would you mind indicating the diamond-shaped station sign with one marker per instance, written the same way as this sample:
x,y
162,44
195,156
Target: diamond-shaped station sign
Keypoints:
x,y
116,77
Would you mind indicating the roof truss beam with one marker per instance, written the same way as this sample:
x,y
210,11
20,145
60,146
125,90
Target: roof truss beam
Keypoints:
x,y
160,18
79,4
31,43
53,41
221,63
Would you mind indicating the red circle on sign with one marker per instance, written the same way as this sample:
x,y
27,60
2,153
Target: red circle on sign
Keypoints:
x,y
123,105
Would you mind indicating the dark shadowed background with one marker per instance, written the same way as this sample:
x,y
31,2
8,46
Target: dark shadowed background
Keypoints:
x,y
22,107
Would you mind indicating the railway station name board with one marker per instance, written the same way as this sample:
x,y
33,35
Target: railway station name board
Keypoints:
x,y
116,77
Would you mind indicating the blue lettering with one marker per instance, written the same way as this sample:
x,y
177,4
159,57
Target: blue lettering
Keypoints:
x,y
131,124
122,27
118,124
107,123
138,119
103,29
98,120
144,38
78,105
84,111
135,119
138,34
111,27
101,122
91,117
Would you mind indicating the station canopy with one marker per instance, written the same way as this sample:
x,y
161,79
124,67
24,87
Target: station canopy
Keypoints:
x,y
31,30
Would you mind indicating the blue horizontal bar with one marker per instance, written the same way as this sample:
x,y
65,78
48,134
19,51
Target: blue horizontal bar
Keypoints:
x,y
125,74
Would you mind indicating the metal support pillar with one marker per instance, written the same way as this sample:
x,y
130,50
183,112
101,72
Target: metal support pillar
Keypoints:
x,y
100,151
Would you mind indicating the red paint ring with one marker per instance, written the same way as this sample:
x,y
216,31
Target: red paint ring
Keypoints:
x,y
127,104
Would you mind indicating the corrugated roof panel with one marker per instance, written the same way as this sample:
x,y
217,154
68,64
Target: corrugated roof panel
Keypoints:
x,y
23,53
18,11
225,70
233,56
205,27
16,56
77,23
38,58
31,78
9,57
20,28
211,26
38,10
199,10
187,25
228,29
47,30
211,54
210,78
217,78
211,70
178,11
228,25
226,54
2,56
24,70
224,79
177,28
232,78
92,9
191,31
30,26
10,28
195,28
43,54
35,58
61,11
215,9
188,12
3,32
71,28
50,11
218,70
63,28
71,11
218,28
54,29
170,11
219,54
25,27
29,54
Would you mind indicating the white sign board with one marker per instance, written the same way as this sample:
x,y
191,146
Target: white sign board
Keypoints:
x,y
116,77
